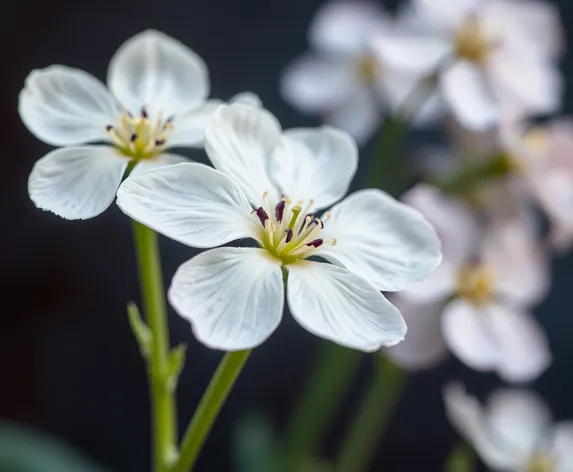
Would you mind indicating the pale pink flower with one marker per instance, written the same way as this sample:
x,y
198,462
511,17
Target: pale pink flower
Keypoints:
x,y
493,55
343,78
484,288
513,432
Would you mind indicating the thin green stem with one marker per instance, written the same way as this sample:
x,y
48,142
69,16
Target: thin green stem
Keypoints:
x,y
323,395
164,425
372,418
206,413
461,459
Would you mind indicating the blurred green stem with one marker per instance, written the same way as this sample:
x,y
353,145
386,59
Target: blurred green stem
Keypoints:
x,y
373,415
328,383
461,459
164,424
208,409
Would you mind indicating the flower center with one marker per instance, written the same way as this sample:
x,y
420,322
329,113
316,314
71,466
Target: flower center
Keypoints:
x,y
541,462
139,137
475,283
289,232
471,42
368,68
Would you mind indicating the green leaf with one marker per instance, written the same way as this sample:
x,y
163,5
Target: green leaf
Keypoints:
x,y
176,363
25,450
140,330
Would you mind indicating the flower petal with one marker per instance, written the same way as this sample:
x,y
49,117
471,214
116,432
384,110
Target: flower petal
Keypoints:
x,y
64,106
232,296
437,287
189,125
465,89
247,98
340,306
164,159
77,183
315,163
240,140
314,85
563,446
424,346
468,416
388,243
445,14
343,28
190,203
154,70
518,418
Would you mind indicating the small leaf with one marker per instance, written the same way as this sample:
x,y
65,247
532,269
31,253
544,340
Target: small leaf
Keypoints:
x,y
140,330
176,363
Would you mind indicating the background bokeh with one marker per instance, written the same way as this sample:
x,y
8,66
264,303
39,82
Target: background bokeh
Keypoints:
x,y
68,362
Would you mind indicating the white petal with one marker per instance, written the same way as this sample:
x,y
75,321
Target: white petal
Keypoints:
x,y
164,159
438,286
344,27
519,419
424,345
388,243
456,224
190,203
468,335
519,262
563,446
466,90
77,183
467,415
64,106
314,85
247,98
360,115
154,70
523,351
240,141
417,55
497,338
340,306
189,125
232,296
315,163
446,14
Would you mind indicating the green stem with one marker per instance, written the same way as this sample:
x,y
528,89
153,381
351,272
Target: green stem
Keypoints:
x,y
328,383
164,423
461,459
372,418
209,406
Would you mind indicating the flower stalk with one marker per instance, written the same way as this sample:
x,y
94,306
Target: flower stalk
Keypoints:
x,y
164,423
211,403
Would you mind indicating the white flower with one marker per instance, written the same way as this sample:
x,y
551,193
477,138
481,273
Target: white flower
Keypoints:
x,y
267,187
543,157
495,56
157,99
514,432
343,78
485,286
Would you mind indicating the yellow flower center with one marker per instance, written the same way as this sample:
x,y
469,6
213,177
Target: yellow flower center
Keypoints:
x,y
368,68
288,231
541,462
475,283
536,141
140,137
471,42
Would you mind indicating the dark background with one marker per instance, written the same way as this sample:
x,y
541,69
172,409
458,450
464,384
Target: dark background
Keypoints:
x,y
68,362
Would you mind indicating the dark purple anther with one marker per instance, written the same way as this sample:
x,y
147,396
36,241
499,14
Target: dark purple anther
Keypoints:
x,y
159,142
315,243
133,138
279,210
262,214
108,128
144,113
288,235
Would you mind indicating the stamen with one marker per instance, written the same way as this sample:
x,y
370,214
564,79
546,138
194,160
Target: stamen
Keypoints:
x,y
279,210
262,214
144,113
296,210
108,128
315,243
288,238
133,137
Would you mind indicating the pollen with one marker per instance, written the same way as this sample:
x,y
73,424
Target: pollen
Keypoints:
x,y
289,231
541,462
475,283
471,42
368,68
140,137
